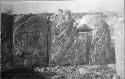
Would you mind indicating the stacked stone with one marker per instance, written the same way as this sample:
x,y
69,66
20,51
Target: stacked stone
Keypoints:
x,y
30,40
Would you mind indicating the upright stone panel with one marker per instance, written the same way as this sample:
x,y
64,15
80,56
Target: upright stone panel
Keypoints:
x,y
68,47
30,40
100,44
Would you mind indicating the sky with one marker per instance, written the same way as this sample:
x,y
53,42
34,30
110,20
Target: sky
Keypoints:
x,y
52,6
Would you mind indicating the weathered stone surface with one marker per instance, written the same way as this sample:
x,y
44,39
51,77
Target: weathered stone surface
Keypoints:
x,y
68,47
102,45
34,41
6,40
30,40
100,50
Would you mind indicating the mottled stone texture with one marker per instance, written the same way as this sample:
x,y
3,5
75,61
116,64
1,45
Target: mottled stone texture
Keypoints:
x,y
100,50
30,40
67,47
40,41
6,40
101,46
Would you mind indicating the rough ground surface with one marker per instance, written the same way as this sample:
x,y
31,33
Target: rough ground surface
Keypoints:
x,y
78,72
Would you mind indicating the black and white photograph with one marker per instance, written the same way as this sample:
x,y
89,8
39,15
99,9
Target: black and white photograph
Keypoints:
x,y
62,39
